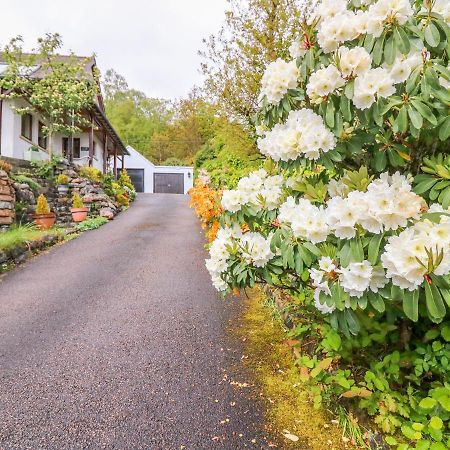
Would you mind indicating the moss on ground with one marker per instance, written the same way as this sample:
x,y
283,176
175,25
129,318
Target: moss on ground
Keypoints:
x,y
270,357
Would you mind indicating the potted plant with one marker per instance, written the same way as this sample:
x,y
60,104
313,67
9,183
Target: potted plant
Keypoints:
x,y
43,217
62,182
32,154
78,210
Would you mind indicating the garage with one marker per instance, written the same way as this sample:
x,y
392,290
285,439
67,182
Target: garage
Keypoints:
x,y
137,178
149,178
168,183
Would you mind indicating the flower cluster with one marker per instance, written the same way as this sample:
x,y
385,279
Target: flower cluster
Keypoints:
x,y
258,189
355,279
252,247
303,134
337,24
388,204
307,221
324,82
406,256
255,249
279,77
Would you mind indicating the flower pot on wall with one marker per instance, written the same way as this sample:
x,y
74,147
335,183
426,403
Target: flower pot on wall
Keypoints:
x,y
79,214
45,221
63,189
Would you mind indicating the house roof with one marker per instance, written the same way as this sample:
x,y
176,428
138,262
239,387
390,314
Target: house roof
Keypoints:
x,y
36,71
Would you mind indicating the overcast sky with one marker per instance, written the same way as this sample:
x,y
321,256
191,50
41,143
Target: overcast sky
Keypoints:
x,y
152,43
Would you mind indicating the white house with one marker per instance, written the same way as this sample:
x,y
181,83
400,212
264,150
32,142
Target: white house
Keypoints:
x,y
149,178
21,135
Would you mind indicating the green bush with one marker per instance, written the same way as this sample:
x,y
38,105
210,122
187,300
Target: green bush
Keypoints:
x,y
91,224
24,179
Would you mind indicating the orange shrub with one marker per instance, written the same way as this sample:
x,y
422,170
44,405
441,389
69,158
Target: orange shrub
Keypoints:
x,y
206,202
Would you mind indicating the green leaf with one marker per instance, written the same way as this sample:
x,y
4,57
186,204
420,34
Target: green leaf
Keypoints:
x,y
432,35
378,50
444,198
425,111
401,122
436,423
416,118
390,50
444,130
435,305
425,186
427,403
411,304
438,446
402,40
329,117
377,302
374,248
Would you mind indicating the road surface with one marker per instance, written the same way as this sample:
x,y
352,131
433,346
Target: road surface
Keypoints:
x,y
117,340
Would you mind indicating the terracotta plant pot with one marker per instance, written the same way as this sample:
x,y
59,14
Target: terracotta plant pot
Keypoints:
x,y
79,214
45,221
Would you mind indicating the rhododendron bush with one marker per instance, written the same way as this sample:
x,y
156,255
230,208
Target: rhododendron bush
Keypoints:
x,y
352,208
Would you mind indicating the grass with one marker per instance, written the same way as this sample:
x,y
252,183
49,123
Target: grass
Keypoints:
x,y
271,358
21,234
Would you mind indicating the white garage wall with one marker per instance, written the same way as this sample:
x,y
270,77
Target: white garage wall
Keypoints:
x,y
136,161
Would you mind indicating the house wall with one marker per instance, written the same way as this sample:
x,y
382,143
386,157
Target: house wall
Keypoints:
x,y
136,161
15,146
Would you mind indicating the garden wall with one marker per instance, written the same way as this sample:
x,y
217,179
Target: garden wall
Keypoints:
x,y
7,200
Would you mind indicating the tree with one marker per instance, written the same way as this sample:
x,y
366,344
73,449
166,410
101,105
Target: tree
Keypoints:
x,y
255,33
58,88
135,116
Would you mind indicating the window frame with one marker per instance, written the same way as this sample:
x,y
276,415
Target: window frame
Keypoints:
x,y
24,125
65,146
41,138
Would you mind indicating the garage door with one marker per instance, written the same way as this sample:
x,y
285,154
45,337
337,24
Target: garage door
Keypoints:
x,y
168,183
137,178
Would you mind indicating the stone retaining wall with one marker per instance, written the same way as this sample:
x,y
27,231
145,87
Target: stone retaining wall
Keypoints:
x,y
7,200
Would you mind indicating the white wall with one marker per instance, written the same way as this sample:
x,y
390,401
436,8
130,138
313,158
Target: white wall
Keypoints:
x,y
15,146
137,161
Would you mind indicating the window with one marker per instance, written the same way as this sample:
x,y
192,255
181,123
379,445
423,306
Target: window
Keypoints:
x,y
27,126
76,146
42,138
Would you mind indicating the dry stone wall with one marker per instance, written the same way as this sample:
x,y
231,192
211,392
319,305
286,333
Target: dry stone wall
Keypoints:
x,y
7,200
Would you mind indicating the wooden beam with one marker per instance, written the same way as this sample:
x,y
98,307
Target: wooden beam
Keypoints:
x,y
105,153
123,161
115,161
91,142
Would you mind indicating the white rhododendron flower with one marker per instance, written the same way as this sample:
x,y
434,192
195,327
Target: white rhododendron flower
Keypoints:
x,y
402,253
279,77
388,204
355,278
371,84
403,65
337,24
257,189
355,61
303,134
320,285
442,7
256,249
306,220
297,49
232,200
324,82
219,253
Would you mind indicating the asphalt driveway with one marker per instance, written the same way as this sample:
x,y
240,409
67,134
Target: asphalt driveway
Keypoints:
x,y
117,340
